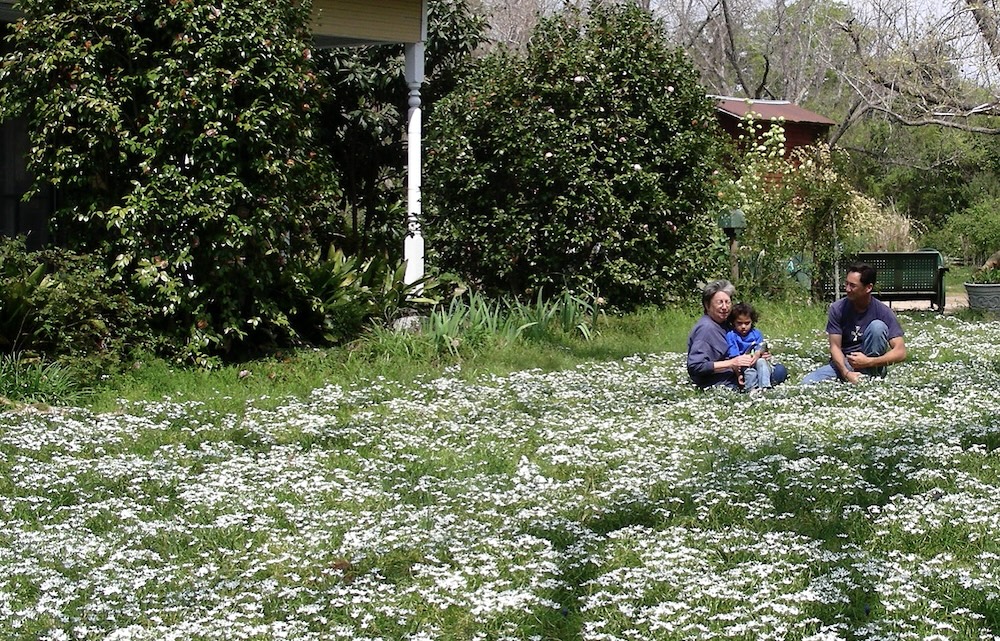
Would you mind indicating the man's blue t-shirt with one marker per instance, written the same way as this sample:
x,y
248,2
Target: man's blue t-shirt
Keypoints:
x,y
844,320
752,342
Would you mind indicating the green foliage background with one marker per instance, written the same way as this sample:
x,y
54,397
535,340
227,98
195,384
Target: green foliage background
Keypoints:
x,y
973,233
582,164
181,138
242,190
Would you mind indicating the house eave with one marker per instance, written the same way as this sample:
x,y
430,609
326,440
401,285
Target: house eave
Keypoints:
x,y
7,12
327,41
738,108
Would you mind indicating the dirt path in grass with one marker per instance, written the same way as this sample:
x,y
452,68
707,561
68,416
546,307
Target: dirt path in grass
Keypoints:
x,y
952,303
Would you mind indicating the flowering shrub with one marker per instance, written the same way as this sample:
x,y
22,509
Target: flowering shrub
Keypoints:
x,y
798,206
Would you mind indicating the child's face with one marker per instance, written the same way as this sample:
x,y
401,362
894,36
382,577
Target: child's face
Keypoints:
x,y
742,324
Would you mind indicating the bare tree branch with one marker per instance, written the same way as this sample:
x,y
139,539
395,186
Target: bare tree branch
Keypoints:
x,y
987,23
940,122
733,50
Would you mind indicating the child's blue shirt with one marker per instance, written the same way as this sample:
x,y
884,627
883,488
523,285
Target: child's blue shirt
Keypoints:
x,y
752,342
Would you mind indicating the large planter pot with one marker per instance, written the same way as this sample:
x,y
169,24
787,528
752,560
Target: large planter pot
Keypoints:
x,y
984,296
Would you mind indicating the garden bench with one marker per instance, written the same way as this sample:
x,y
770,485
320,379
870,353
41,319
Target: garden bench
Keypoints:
x,y
903,276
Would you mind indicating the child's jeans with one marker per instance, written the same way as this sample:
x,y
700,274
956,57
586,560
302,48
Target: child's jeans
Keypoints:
x,y
763,374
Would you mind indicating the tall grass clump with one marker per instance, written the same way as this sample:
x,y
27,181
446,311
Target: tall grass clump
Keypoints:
x,y
25,380
473,322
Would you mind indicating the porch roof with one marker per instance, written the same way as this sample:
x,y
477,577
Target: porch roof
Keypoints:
x,y
344,22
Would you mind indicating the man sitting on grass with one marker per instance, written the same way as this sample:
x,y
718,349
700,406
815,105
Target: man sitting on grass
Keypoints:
x,y
865,335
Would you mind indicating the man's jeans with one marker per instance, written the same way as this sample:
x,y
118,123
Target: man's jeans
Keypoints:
x,y
875,342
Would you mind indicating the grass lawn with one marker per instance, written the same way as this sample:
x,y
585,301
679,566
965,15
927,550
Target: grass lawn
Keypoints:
x,y
956,277
598,498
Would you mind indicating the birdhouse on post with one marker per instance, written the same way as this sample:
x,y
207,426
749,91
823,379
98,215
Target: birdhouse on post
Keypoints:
x,y
733,222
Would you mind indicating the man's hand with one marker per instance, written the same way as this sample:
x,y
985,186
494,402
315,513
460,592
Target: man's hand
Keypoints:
x,y
860,361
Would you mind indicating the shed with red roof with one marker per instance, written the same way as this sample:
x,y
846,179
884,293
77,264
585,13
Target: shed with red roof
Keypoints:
x,y
802,127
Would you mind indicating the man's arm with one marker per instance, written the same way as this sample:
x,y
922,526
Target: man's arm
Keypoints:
x,y
896,354
838,359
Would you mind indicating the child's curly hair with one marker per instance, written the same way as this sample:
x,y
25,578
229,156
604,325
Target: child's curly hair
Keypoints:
x,y
744,309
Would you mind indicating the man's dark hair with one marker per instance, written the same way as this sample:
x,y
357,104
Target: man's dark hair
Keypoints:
x,y
865,272
743,309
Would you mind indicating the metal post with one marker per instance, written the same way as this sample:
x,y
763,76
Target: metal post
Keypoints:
x,y
733,222
836,263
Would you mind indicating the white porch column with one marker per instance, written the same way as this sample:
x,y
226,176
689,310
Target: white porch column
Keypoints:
x,y
413,244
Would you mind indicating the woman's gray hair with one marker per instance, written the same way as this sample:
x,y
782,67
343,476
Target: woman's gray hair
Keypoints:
x,y
714,288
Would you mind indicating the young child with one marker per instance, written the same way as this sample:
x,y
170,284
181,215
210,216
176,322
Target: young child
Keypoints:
x,y
745,338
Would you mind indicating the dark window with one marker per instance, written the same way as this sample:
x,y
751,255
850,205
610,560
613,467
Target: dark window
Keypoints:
x,y
19,217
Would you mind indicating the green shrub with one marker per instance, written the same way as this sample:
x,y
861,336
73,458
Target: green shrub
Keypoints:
x,y
580,165
23,276
67,307
181,139
972,234
88,319
345,292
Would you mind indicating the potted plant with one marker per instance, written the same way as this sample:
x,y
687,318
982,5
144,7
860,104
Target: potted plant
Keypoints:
x,y
984,289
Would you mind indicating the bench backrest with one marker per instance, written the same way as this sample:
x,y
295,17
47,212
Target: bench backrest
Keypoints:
x,y
903,271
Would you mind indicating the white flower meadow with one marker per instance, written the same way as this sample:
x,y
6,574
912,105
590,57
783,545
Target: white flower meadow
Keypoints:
x,y
609,502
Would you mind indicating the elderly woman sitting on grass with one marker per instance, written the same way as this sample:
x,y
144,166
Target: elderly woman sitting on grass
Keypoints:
x,y
708,362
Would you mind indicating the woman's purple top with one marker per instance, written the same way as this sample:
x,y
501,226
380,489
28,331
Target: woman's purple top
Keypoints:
x,y
706,345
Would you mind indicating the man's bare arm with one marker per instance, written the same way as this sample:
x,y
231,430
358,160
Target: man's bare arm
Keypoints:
x,y
896,354
839,360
